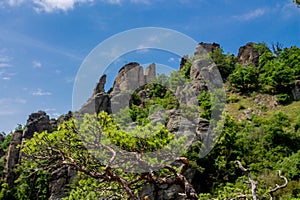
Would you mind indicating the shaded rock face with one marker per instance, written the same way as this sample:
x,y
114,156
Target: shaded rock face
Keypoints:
x,y
248,55
296,90
164,191
58,181
2,153
12,158
100,85
38,122
98,101
183,60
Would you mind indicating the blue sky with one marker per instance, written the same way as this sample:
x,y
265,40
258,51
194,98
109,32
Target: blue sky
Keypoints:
x,y
44,42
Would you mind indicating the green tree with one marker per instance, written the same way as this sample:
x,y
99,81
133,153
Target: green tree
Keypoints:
x,y
243,78
225,63
276,77
68,147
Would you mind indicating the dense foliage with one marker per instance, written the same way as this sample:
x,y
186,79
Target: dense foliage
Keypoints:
x,y
263,143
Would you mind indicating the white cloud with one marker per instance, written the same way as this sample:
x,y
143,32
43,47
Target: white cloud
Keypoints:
x,y
49,6
140,1
117,2
4,65
55,115
287,10
251,15
52,5
4,61
36,64
171,59
40,92
142,49
6,78
15,2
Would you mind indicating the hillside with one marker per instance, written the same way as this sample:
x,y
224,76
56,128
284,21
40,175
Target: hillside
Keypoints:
x,y
170,137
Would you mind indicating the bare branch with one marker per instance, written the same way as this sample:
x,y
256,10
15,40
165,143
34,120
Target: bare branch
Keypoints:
x,y
252,182
278,186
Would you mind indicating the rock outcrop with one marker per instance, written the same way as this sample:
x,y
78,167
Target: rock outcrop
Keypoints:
x,y
248,55
130,78
37,122
204,48
98,101
12,158
59,179
296,90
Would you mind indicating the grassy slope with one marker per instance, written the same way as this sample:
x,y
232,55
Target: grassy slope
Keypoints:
x,y
265,109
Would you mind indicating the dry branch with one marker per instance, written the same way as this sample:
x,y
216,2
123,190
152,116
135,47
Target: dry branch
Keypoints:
x,y
278,187
251,181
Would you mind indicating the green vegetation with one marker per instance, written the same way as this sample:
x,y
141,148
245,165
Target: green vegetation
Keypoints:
x,y
260,133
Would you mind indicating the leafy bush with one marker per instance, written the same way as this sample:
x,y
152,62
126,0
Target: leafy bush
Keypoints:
x,y
244,79
233,98
283,98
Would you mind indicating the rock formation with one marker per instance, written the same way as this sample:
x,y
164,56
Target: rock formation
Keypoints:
x,y
130,78
204,48
248,55
37,122
99,100
296,90
12,158
59,179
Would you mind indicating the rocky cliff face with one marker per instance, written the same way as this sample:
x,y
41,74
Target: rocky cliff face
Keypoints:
x,y
37,122
13,156
248,55
296,90
130,77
